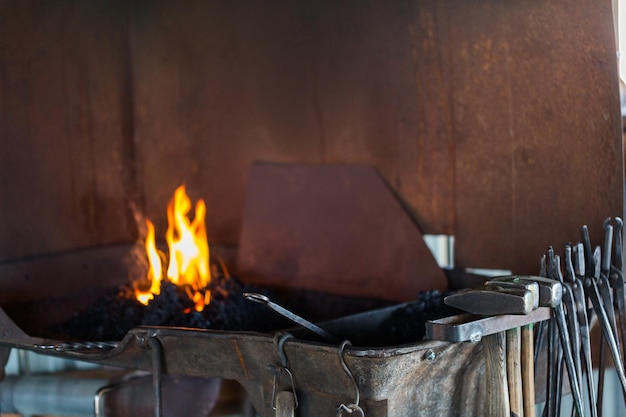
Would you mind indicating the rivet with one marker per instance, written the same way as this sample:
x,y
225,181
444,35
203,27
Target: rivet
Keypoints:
x,y
475,337
430,355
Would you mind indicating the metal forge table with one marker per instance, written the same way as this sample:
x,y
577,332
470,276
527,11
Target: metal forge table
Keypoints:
x,y
415,379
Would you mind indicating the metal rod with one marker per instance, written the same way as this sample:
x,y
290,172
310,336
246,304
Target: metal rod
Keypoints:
x,y
157,371
550,405
569,359
601,375
607,332
262,299
583,322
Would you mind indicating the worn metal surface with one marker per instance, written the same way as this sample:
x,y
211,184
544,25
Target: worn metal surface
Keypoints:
x,y
335,228
490,301
66,170
497,122
533,159
393,381
70,280
471,327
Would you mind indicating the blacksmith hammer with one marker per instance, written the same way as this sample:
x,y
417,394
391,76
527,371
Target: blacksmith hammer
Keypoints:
x,y
506,295
491,330
494,300
504,378
550,295
521,373
509,295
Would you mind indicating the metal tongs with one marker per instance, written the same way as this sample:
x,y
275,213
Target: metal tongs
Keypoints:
x,y
597,289
616,279
563,328
573,277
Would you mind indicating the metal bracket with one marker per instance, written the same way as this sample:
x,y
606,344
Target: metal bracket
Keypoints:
x,y
469,327
154,345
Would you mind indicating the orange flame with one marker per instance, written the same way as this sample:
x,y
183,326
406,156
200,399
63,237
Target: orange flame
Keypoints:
x,y
188,264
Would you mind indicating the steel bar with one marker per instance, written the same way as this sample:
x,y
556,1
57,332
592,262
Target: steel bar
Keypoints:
x,y
583,321
468,327
607,332
569,360
607,302
558,381
262,299
539,339
602,279
572,323
601,375
616,279
549,408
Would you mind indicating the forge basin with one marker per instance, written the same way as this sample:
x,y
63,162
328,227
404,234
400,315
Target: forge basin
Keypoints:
x,y
421,378
413,378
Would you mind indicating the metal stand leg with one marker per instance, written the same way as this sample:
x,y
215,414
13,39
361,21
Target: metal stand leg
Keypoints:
x,y
157,369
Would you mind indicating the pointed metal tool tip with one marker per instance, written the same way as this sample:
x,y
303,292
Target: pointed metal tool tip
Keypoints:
x,y
259,298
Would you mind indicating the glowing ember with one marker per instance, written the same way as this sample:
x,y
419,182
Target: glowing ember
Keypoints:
x,y
188,264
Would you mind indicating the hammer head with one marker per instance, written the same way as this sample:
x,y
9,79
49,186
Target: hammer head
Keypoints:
x,y
497,284
550,290
493,301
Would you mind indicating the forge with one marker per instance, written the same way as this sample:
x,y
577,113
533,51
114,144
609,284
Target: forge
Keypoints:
x,y
124,325
325,139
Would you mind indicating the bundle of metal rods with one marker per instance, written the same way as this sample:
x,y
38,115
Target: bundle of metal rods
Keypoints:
x,y
593,290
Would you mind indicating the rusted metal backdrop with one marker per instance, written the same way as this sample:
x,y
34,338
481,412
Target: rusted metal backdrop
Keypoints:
x,y
495,121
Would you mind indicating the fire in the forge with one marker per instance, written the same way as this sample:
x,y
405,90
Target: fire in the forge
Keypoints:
x,y
188,264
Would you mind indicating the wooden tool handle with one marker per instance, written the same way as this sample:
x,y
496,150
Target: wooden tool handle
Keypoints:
x,y
514,371
528,371
495,372
285,404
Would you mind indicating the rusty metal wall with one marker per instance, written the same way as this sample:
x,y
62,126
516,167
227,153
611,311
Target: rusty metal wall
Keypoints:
x,y
537,128
497,122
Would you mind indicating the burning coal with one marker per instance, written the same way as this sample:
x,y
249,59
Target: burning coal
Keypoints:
x,y
179,290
